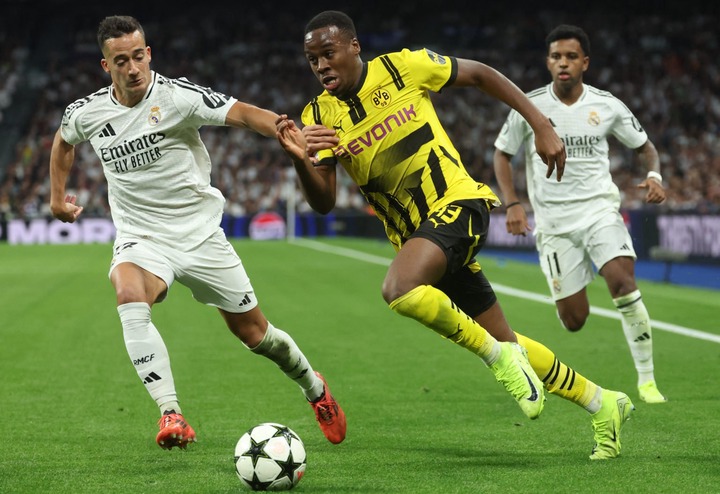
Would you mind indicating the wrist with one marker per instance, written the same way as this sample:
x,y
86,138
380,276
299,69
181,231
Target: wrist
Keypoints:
x,y
514,203
655,176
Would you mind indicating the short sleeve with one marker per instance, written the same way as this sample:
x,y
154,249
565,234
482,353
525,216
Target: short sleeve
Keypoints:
x,y
430,70
512,134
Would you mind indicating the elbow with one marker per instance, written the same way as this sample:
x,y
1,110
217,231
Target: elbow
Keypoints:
x,y
323,208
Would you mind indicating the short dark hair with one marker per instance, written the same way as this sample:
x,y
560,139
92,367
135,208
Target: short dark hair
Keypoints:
x,y
567,31
332,18
115,26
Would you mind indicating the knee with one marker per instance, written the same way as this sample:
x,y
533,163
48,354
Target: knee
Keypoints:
x,y
573,321
129,294
620,289
393,289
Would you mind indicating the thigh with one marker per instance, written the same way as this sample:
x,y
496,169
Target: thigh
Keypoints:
x,y
469,289
565,264
216,276
139,271
609,239
460,230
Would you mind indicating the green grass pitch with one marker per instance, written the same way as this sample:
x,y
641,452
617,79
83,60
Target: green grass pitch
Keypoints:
x,y
424,416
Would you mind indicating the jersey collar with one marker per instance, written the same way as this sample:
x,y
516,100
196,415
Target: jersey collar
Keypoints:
x,y
148,92
356,89
554,96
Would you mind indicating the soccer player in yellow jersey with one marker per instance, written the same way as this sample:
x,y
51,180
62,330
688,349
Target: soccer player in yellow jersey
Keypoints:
x,y
377,121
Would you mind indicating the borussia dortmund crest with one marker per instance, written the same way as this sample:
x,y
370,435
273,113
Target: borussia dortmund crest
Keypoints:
x,y
381,98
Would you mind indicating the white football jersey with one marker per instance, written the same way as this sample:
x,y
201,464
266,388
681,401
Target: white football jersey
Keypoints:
x,y
586,190
156,166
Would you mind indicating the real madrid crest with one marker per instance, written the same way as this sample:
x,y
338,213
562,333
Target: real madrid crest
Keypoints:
x,y
154,117
556,285
594,118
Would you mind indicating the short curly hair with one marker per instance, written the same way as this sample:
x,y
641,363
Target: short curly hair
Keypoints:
x,y
567,31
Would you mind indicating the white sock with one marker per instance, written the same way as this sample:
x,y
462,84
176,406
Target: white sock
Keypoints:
x,y
148,354
494,354
596,402
279,347
638,333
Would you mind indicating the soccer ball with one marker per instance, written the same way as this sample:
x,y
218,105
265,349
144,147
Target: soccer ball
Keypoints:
x,y
270,457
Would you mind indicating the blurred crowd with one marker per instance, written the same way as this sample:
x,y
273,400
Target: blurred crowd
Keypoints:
x,y
665,68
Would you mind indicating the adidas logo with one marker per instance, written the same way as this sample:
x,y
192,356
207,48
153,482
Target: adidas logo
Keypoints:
x,y
624,246
643,337
245,300
107,131
151,378
124,246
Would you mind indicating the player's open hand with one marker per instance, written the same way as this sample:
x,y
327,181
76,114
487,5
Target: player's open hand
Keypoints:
x,y
655,191
69,211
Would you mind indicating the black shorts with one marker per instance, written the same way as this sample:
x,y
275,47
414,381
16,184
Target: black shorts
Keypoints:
x,y
460,230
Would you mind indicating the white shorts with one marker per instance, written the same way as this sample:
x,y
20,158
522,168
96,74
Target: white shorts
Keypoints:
x,y
569,261
212,270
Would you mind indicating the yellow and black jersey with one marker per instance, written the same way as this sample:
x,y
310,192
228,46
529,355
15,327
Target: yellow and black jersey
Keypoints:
x,y
392,143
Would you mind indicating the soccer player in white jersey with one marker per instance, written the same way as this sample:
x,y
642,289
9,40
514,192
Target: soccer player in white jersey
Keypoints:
x,y
577,221
144,128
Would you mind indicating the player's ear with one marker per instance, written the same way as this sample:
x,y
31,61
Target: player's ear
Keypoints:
x,y
356,46
104,65
149,53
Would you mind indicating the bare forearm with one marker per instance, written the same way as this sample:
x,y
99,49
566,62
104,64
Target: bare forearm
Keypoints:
x,y
62,156
317,184
260,120
648,156
504,177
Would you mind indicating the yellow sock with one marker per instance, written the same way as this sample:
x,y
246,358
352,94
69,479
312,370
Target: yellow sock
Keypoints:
x,y
430,306
558,378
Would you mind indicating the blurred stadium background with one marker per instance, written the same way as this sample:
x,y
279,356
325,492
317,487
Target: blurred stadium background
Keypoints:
x,y
661,60
77,420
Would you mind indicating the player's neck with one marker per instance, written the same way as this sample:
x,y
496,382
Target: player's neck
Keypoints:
x,y
568,94
126,99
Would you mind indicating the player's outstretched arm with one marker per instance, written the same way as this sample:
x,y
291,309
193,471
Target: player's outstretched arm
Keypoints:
x,y
244,115
547,143
317,182
62,156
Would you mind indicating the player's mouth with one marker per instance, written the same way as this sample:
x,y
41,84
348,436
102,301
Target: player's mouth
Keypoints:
x,y
330,83
564,76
